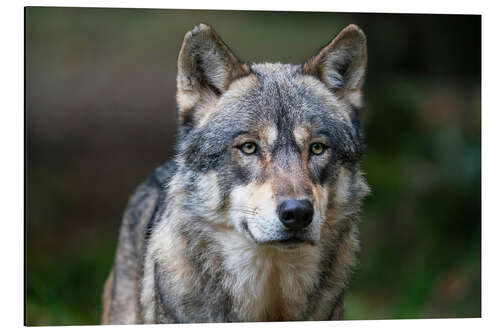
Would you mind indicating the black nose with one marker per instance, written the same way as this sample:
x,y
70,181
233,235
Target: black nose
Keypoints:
x,y
295,214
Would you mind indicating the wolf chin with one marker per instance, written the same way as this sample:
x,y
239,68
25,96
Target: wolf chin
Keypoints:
x,y
255,218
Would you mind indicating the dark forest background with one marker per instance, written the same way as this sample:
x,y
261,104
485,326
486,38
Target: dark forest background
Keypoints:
x,y
100,115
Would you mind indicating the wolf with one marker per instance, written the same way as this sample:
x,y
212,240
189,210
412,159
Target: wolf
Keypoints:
x,y
256,216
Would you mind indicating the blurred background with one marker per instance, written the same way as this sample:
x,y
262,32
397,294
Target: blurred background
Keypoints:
x,y
100,116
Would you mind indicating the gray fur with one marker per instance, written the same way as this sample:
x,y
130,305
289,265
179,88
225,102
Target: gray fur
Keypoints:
x,y
199,242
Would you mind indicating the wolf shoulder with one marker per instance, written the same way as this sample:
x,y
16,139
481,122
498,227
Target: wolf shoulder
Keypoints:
x,y
146,201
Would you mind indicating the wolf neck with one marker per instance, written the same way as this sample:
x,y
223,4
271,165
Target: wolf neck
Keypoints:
x,y
266,283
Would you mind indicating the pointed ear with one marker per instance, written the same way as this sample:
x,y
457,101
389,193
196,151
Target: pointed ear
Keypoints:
x,y
341,64
205,69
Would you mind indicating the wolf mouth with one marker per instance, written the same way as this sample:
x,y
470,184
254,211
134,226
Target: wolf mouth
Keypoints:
x,y
293,240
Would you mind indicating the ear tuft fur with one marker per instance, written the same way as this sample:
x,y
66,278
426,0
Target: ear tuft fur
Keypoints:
x,y
341,64
205,67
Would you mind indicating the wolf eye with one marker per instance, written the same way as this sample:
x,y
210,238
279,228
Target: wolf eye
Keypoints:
x,y
248,148
317,148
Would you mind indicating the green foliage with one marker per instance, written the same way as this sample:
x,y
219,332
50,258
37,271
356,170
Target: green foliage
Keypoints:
x,y
65,288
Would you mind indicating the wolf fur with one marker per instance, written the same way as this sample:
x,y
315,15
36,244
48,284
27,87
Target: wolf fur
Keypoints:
x,y
201,240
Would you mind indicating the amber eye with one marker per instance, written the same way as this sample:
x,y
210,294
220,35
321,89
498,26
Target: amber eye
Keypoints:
x,y
317,148
248,148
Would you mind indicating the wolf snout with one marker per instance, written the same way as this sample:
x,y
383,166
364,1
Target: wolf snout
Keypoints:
x,y
296,214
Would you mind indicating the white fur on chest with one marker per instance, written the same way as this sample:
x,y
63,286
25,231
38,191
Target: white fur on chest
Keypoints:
x,y
267,283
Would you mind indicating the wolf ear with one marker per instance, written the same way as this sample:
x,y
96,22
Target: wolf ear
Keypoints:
x,y
341,64
205,68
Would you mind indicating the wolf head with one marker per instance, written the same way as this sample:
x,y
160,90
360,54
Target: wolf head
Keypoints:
x,y
272,150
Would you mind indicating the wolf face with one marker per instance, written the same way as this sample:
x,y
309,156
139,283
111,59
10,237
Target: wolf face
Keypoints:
x,y
272,147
